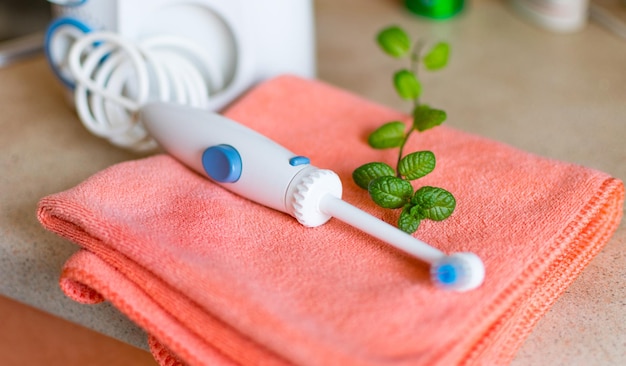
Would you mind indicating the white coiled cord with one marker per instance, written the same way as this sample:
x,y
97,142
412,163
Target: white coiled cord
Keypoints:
x,y
115,77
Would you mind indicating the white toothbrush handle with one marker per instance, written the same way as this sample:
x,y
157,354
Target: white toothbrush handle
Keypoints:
x,y
458,272
236,157
377,228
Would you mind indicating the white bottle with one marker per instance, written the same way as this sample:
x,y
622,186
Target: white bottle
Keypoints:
x,y
555,15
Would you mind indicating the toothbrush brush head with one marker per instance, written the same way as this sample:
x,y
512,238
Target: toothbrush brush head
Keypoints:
x,y
458,272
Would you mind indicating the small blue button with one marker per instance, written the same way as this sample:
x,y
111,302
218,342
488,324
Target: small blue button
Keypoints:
x,y
222,163
299,160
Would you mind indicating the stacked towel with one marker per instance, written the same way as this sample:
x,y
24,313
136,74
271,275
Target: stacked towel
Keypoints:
x,y
217,280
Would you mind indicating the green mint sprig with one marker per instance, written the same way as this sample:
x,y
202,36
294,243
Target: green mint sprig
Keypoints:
x,y
392,188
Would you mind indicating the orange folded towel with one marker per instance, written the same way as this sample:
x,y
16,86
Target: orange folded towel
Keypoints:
x,y
216,279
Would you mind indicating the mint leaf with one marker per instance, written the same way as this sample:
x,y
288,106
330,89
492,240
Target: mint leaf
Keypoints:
x,y
434,203
417,164
425,118
407,85
438,57
414,210
364,174
394,41
408,222
389,135
390,192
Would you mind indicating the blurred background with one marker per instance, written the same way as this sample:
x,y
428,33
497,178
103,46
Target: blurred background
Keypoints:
x,y
22,17
560,95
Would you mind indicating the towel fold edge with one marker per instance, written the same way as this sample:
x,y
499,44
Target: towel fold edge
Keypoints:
x,y
587,234
86,288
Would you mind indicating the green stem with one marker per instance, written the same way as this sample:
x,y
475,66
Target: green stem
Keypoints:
x,y
415,56
414,66
415,59
406,139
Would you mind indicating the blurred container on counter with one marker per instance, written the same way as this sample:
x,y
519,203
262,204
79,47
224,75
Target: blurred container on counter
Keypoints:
x,y
556,15
435,9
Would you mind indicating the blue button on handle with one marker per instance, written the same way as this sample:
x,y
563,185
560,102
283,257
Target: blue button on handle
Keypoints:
x,y
222,163
299,160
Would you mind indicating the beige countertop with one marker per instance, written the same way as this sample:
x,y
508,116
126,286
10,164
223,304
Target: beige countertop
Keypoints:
x,y
561,96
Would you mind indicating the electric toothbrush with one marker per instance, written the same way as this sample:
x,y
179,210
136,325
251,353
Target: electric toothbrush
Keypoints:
x,y
253,166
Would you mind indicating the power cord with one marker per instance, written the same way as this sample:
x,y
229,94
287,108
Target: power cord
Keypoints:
x,y
114,77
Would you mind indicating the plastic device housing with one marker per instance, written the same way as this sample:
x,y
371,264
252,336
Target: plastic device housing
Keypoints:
x,y
250,164
251,40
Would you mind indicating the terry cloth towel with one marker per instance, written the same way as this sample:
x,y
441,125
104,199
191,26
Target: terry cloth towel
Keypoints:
x,y
217,280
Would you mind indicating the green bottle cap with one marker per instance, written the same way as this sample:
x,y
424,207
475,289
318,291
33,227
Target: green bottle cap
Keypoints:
x,y
435,9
